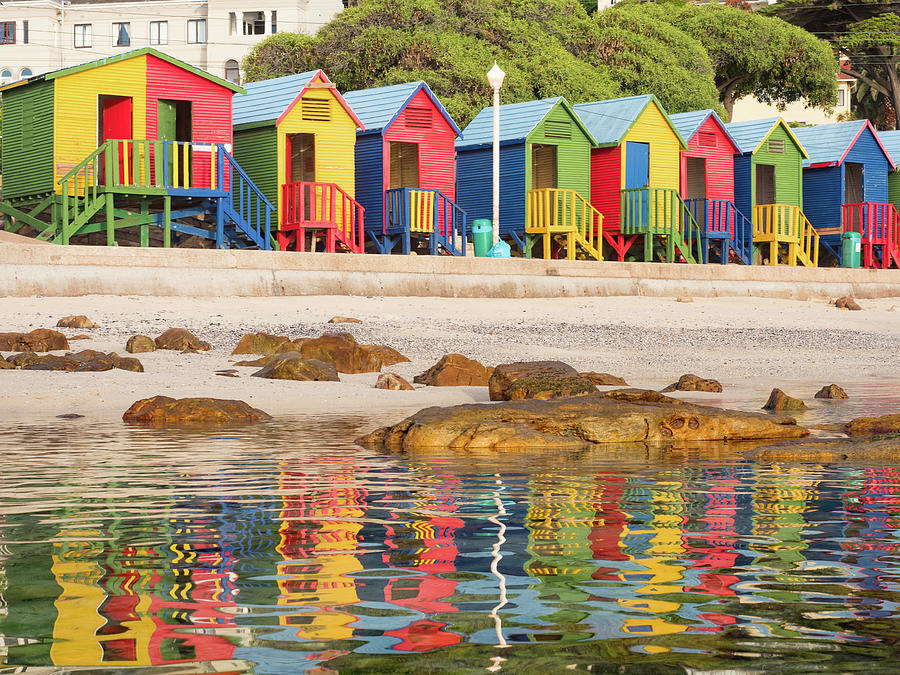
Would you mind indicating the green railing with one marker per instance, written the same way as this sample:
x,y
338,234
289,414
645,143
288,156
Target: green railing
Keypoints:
x,y
661,211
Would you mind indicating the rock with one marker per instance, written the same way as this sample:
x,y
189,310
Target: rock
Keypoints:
x,y
257,363
344,353
163,410
831,391
85,361
227,373
51,362
881,450
684,299
392,381
847,302
6,365
180,339
140,344
70,416
80,336
87,355
23,359
38,340
96,366
536,379
869,426
264,343
292,366
455,370
388,355
574,423
691,382
778,400
79,321
633,395
126,363
604,379
343,319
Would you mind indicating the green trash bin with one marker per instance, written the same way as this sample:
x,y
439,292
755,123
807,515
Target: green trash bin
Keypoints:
x,y
851,246
482,236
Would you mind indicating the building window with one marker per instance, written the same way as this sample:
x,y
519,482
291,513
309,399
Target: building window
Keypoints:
x,y
82,35
8,33
25,72
841,97
24,32
196,31
254,23
5,75
232,23
232,71
121,34
274,22
159,32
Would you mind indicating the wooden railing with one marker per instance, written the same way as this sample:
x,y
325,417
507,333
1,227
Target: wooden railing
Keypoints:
x,y
423,211
878,224
310,205
80,189
552,211
786,224
169,165
720,218
247,207
661,211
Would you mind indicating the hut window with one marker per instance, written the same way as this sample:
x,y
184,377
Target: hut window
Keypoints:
x,y
8,33
706,139
159,32
419,118
121,34
404,165
557,129
315,109
196,33
776,146
83,35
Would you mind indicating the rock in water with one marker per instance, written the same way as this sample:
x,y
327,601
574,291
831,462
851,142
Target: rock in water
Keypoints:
x,y
690,382
292,366
778,400
881,450
574,423
831,391
388,355
163,410
343,319
393,382
869,426
847,302
38,340
633,395
343,352
455,370
79,321
264,343
180,339
604,379
537,379
140,344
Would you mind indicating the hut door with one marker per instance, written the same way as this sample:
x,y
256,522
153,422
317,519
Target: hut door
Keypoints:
x,y
404,165
637,175
300,152
174,123
765,184
695,186
115,123
543,166
853,183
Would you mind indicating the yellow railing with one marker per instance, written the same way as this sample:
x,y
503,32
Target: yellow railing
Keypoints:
x,y
551,211
421,211
786,224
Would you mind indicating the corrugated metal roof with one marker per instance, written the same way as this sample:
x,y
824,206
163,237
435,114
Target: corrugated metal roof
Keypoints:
x,y
891,142
748,135
609,121
378,107
517,121
688,123
828,143
268,99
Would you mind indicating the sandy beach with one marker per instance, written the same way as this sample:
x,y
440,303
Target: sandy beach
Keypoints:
x,y
749,344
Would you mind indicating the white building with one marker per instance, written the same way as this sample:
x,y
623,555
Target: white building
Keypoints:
x,y
750,108
37,36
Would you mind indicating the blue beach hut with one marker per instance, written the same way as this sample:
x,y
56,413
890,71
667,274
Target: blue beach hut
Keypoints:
x,y
890,140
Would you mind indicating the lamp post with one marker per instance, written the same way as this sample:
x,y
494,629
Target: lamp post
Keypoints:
x,y
495,79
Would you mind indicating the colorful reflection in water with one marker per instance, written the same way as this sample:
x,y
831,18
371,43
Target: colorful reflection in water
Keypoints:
x,y
269,555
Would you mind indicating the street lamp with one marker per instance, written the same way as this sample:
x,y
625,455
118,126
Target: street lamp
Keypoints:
x,y
495,79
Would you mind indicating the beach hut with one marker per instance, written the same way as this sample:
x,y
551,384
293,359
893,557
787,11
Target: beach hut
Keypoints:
x,y
295,137
635,177
845,188
544,177
707,185
405,169
768,187
890,140
127,149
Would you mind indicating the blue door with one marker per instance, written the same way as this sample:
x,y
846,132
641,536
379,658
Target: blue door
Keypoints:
x,y
637,175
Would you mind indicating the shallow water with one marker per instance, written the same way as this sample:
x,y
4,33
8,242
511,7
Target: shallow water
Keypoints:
x,y
284,548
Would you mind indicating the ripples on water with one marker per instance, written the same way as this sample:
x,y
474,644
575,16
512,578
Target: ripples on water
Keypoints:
x,y
283,548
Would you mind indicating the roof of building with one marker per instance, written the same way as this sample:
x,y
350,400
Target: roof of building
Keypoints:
x,y
70,70
378,107
828,144
609,121
517,121
750,135
890,141
689,123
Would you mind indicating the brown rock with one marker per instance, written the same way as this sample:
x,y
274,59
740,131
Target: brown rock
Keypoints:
x,y
574,423
96,366
79,321
180,339
847,302
80,336
392,381
632,395
140,344
23,359
128,363
388,355
691,382
292,366
38,340
87,355
264,343
257,363
6,365
455,370
51,362
163,410
684,299
604,379
879,450
778,400
831,391
869,426
343,319
345,354
536,379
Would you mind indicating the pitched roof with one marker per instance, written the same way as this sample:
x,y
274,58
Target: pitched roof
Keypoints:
x,y
69,70
378,107
828,144
609,121
517,121
689,123
750,135
890,141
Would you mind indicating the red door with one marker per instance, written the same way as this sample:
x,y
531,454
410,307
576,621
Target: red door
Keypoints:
x,y
115,122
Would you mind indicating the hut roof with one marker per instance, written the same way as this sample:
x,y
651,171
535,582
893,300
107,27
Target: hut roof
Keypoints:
x,y
517,121
752,134
890,141
689,123
828,144
609,121
380,106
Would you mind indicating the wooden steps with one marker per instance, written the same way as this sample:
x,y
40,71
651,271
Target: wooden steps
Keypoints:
x,y
562,220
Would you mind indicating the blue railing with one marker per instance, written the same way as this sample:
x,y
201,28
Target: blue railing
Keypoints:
x,y
247,207
720,219
425,212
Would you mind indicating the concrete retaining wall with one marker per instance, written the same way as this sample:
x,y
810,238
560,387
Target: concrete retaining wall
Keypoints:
x,y
27,270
